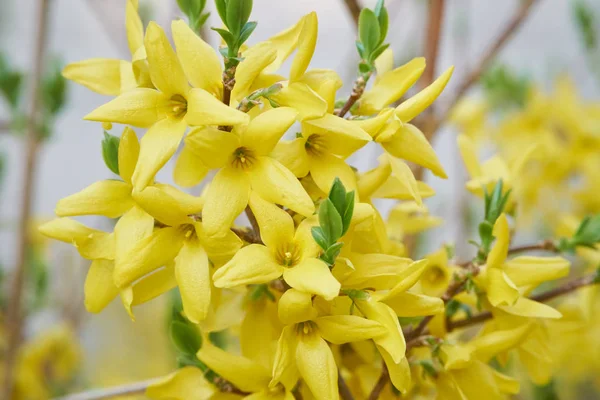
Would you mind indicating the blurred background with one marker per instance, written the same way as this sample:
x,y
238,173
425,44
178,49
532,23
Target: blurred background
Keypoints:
x,y
558,38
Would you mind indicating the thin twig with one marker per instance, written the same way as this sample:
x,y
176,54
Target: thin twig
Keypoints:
x,y
357,91
501,40
14,318
253,222
247,235
432,40
107,393
380,385
354,9
344,390
546,245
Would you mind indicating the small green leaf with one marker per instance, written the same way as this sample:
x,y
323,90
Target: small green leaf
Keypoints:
x,y
226,35
185,337
428,368
54,89
245,33
238,12
221,6
368,30
10,83
377,52
332,252
337,195
383,19
356,294
330,221
319,236
184,6
110,152
348,212
361,49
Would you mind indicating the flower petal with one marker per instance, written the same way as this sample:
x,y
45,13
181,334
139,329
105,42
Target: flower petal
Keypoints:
x,y
153,285
133,26
140,107
162,206
292,154
419,102
405,177
256,58
252,264
199,60
500,289
302,98
275,183
205,109
187,383
317,366
307,41
527,270
193,277
284,366
325,83
189,169
340,136
393,340
265,130
296,306
226,198
399,372
499,251
99,288
324,168
469,155
415,305
313,276
525,307
276,225
214,147
132,227
340,329
109,198
129,151
101,75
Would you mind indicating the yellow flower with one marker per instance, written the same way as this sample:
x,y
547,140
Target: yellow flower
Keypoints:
x,y
245,167
408,218
288,253
170,108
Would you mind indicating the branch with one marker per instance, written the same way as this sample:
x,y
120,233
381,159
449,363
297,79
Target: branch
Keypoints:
x,y
357,90
546,245
354,9
432,40
14,318
247,235
116,391
509,30
344,390
380,385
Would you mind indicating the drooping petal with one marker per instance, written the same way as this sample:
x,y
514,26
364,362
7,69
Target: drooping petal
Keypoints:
x,y
129,151
275,183
324,168
220,249
340,329
500,289
132,227
376,124
313,276
399,371
284,366
393,340
491,344
296,306
189,168
307,40
415,305
317,366
226,198
165,70
419,102
284,42
133,26
304,239
162,206
199,60
156,148
302,98
212,146
338,135
153,285
527,270
405,177
251,265
99,288
190,204
265,130
147,255
205,109
109,198
255,60
187,383
261,316
193,277
532,309
101,75
500,249
292,154
276,225
91,243
140,107
325,83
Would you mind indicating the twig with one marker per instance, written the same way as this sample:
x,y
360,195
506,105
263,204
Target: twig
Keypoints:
x,y
357,90
344,390
107,393
432,40
254,223
546,245
380,385
509,30
14,317
247,235
354,9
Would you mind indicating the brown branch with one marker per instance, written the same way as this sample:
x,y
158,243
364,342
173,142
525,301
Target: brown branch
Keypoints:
x,y
380,385
354,9
432,39
357,90
14,318
546,245
344,390
501,40
247,235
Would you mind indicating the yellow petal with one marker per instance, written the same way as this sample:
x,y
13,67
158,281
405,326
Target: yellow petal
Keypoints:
x,y
276,184
193,277
304,239
384,63
391,189
313,276
338,135
129,151
325,83
213,146
165,70
527,270
140,107
415,305
393,340
99,288
276,225
317,366
374,125
493,343
252,264
340,329
292,154
190,204
302,98
264,131
109,198
469,155
255,60
284,366
147,255
153,285
199,60
132,227
261,316
285,42
189,168
407,276
500,249
133,26
410,144
419,102
205,109
390,86
406,178
220,249
244,373
296,306
325,167
399,372
528,308
187,383
226,198
101,75
500,289
161,206
307,41
456,356
370,181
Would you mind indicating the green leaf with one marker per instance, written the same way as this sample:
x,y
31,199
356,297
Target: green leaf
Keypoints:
x,y
319,236
585,20
238,12
221,6
588,232
332,252
184,6
245,33
54,89
110,152
226,35
361,49
428,368
348,212
337,195
368,30
185,337
356,294
377,52
10,83
201,21
330,221
383,19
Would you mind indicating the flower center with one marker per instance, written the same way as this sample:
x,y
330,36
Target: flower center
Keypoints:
x,y
306,328
243,158
188,230
288,255
434,274
315,144
178,105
